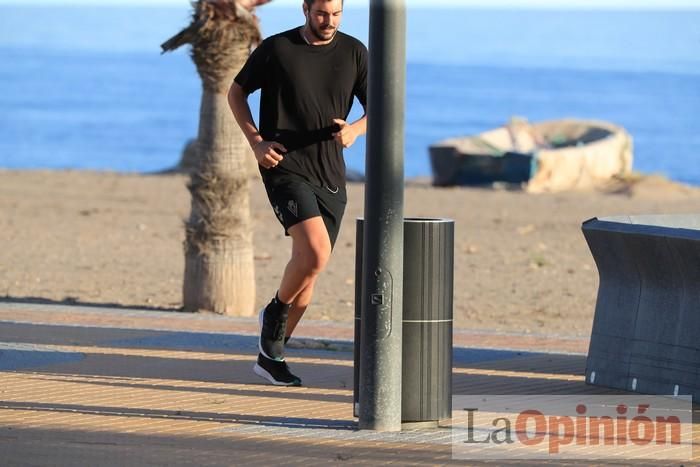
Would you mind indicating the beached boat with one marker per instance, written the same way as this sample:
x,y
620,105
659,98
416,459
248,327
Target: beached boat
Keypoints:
x,y
550,156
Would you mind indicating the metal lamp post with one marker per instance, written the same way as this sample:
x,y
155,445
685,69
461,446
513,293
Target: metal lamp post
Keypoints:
x,y
382,276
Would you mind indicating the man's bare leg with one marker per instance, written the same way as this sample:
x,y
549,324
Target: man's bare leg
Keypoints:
x,y
299,306
311,249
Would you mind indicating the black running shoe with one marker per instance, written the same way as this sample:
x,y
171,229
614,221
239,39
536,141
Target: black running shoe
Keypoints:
x,y
275,372
273,326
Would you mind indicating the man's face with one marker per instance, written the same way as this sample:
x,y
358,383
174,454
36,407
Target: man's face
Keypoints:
x,y
323,18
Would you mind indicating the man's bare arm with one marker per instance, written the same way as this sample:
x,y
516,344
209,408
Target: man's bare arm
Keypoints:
x,y
238,101
267,153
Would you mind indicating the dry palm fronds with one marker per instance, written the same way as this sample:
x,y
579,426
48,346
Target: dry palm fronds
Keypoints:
x,y
218,30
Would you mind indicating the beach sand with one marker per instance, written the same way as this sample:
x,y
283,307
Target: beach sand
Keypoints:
x,y
521,262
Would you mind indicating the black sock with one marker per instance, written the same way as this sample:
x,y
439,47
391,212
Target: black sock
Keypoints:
x,y
277,307
277,299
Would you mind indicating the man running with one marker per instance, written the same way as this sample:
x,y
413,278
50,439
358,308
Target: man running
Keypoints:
x,y
308,77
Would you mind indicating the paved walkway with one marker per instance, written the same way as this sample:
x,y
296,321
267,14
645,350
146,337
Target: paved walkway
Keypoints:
x,y
89,386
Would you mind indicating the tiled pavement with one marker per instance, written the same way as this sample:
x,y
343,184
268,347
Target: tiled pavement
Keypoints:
x,y
88,386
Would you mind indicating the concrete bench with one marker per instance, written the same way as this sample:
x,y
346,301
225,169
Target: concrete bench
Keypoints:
x,y
646,329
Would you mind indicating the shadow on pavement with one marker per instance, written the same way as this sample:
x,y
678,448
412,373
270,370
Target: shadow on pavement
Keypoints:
x,y
73,301
238,419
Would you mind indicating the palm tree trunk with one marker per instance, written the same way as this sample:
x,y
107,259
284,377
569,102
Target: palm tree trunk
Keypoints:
x,y
219,269
189,160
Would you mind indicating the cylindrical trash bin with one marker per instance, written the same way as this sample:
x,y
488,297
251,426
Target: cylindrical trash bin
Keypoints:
x,y
426,394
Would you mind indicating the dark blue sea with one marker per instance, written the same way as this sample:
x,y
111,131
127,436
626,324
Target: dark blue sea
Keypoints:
x,y
87,87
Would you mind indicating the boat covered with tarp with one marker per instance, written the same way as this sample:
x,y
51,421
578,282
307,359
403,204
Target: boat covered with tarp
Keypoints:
x,y
549,156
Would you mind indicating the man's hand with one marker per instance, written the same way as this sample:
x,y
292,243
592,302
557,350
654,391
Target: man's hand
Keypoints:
x,y
346,135
269,153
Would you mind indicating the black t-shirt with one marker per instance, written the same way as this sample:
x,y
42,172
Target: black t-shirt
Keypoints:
x,y
303,88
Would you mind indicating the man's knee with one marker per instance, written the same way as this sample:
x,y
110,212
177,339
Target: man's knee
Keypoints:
x,y
314,258
312,247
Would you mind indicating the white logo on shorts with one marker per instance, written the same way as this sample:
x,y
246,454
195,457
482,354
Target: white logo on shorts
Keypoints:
x,y
278,213
292,206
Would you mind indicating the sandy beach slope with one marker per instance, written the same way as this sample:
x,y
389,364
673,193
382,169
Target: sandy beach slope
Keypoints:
x,y
521,263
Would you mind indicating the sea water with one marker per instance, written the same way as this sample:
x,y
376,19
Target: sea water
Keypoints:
x,y
87,87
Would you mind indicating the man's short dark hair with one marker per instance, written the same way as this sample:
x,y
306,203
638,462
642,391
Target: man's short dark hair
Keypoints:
x,y
309,3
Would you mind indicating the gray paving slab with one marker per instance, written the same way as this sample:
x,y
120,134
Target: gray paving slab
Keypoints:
x,y
95,393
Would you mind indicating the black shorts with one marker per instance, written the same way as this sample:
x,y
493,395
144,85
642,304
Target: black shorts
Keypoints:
x,y
295,200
